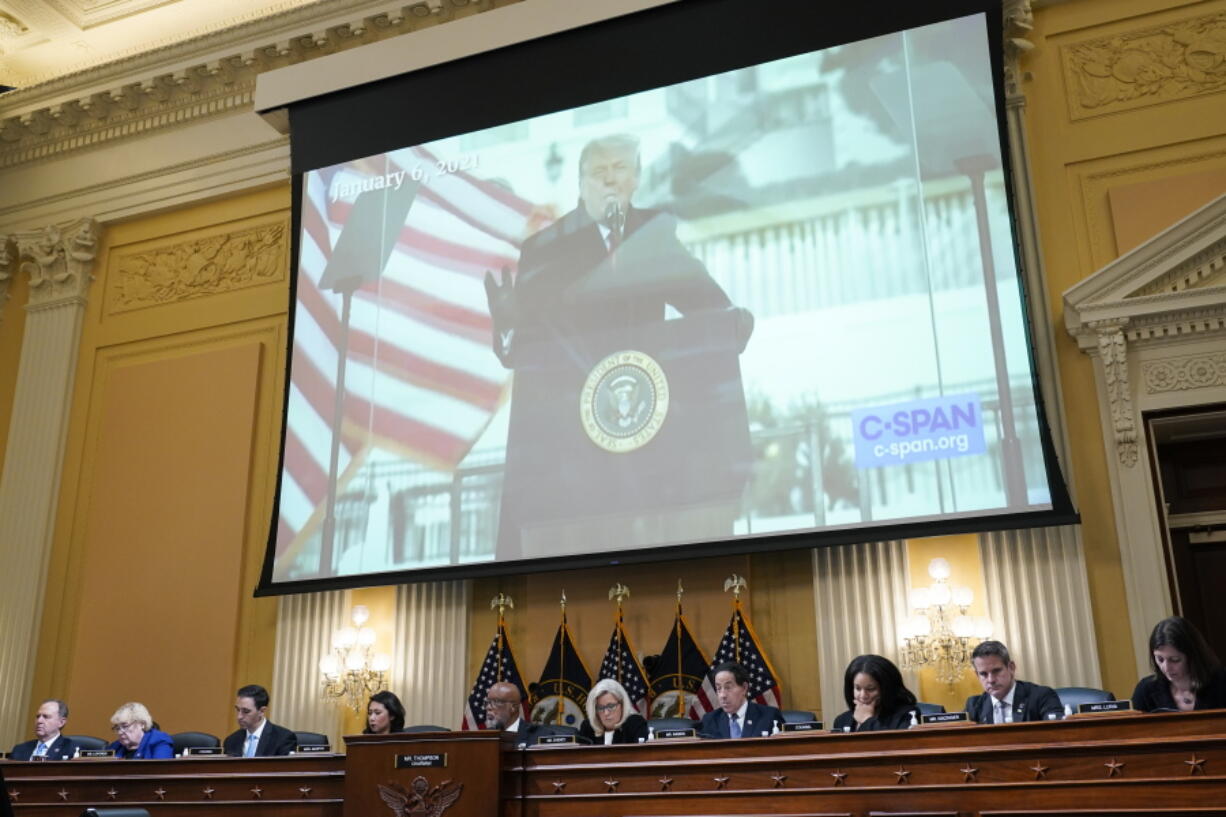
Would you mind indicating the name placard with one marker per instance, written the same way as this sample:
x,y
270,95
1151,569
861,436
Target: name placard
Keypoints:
x,y
1103,706
669,734
94,754
313,749
945,717
205,751
554,740
434,760
803,726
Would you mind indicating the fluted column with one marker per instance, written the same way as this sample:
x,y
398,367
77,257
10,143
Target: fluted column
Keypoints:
x,y
305,624
58,261
431,649
861,598
1039,600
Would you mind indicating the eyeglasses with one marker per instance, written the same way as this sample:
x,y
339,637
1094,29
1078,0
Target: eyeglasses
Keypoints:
x,y
124,727
608,707
493,702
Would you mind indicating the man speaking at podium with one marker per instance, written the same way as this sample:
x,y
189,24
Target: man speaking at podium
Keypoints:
x,y
584,327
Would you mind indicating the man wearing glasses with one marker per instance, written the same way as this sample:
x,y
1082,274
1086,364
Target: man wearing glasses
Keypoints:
x,y
504,711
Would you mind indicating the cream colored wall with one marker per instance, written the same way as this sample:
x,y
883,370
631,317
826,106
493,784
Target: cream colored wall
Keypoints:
x,y
172,452
1083,149
12,324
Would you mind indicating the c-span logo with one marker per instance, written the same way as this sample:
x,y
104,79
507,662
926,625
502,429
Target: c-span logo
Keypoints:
x,y
624,401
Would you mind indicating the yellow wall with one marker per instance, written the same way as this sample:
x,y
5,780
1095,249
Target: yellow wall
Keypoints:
x,y
172,452
1089,136
12,325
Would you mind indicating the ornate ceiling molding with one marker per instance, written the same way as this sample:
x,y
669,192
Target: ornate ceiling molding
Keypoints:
x,y
167,87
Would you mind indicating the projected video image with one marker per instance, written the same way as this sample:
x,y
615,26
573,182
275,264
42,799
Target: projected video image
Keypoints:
x,y
778,299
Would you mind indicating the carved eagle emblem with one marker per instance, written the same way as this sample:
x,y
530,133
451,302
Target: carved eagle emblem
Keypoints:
x,y
420,799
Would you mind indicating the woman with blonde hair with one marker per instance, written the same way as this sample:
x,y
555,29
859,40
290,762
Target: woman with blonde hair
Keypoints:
x,y
133,726
611,717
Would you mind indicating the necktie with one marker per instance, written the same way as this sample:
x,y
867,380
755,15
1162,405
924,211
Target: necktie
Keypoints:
x,y
40,750
250,750
734,728
1000,712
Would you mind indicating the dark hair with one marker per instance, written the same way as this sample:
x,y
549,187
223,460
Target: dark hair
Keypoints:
x,y
894,693
257,694
1179,633
989,648
739,673
395,710
63,707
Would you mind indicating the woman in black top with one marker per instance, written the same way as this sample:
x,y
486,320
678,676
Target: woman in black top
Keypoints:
x,y
384,714
876,697
1187,673
611,717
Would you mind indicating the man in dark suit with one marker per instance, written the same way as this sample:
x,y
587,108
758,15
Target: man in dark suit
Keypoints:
x,y
257,736
1005,699
737,716
49,743
504,711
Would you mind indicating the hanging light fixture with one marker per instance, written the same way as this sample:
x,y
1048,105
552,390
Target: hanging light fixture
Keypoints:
x,y
353,672
939,634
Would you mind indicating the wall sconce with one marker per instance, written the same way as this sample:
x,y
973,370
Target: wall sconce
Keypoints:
x,y
933,636
352,672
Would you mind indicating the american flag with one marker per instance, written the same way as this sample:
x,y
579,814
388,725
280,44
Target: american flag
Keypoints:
x,y
422,380
499,665
740,644
621,664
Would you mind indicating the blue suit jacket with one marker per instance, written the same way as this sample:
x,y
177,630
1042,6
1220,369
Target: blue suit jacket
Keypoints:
x,y
155,744
758,719
62,748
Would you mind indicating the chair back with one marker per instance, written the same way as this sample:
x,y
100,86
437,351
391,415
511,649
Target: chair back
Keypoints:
x,y
929,709
311,739
425,727
1072,696
798,716
87,742
192,740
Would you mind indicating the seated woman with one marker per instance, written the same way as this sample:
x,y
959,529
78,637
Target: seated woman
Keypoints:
x,y
137,736
611,717
876,697
1187,673
384,714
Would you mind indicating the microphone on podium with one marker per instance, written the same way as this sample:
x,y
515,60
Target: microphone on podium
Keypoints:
x,y
615,220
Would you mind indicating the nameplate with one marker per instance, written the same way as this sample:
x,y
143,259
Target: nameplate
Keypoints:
x,y
944,717
1104,706
313,749
552,740
427,761
669,734
205,751
803,726
96,753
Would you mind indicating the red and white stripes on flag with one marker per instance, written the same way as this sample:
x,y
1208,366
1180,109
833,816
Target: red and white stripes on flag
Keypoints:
x,y
740,644
421,377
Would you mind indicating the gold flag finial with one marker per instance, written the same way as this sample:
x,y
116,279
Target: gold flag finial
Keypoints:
x,y
620,592
680,591
564,600
502,602
736,584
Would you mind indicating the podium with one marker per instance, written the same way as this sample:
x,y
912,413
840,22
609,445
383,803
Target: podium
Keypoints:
x,y
420,773
626,437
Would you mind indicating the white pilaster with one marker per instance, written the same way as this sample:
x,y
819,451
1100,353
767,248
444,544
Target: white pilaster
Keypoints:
x,y
58,261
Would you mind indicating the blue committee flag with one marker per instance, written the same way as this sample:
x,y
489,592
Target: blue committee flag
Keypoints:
x,y
499,665
560,695
678,673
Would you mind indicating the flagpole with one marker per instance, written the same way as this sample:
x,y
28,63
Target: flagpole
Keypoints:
x,y
562,656
619,592
736,584
501,601
677,625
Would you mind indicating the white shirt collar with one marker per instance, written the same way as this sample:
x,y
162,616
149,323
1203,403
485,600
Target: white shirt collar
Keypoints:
x,y
513,727
740,713
260,729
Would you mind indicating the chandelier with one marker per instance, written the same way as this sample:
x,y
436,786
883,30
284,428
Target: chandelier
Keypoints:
x,y
939,633
352,672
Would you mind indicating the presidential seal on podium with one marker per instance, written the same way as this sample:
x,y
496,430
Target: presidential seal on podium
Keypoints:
x,y
624,401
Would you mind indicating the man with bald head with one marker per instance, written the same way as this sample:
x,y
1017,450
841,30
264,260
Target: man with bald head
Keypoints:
x,y
504,711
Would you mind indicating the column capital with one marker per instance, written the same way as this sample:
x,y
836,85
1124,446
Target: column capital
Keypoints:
x,y
1018,19
58,258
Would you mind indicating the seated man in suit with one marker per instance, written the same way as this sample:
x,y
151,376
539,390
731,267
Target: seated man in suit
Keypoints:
x,y
737,716
48,744
1006,699
257,736
504,710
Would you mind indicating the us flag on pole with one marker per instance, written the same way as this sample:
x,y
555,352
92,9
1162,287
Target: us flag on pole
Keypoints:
x,y
740,644
422,380
621,664
499,665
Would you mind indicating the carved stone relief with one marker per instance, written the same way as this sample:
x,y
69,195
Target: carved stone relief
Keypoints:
x,y
1145,67
57,259
1113,351
1182,373
1206,270
198,267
